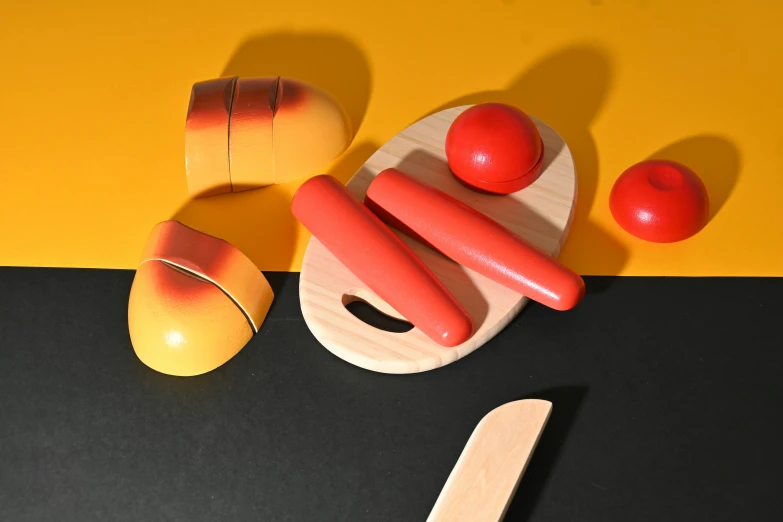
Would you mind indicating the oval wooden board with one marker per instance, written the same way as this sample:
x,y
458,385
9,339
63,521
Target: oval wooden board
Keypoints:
x,y
541,213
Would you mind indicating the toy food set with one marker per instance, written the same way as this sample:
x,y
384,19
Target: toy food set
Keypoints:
x,y
453,225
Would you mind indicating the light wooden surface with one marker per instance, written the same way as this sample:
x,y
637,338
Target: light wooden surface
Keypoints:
x,y
486,476
542,213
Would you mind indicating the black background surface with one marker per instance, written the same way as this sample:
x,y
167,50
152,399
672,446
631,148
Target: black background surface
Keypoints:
x,y
666,406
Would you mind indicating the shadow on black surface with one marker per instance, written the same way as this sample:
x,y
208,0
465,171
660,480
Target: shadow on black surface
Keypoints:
x,y
279,281
566,402
598,284
370,315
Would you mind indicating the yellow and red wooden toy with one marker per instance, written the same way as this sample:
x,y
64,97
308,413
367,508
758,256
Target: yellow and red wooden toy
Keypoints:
x,y
195,301
246,133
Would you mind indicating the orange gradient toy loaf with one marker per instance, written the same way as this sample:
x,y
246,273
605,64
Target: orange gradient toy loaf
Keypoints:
x,y
310,129
195,301
250,133
275,130
206,137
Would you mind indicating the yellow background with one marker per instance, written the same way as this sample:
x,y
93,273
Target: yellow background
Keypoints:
x,y
94,94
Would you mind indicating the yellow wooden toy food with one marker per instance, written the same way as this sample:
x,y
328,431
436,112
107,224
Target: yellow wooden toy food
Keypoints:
x,y
250,133
195,301
309,130
266,130
206,137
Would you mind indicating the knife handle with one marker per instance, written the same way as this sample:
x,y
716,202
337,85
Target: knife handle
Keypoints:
x,y
490,467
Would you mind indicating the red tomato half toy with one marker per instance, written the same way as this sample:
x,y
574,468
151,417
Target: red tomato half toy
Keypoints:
x,y
494,147
660,201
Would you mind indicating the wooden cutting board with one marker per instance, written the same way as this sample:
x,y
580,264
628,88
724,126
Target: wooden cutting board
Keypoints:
x,y
541,213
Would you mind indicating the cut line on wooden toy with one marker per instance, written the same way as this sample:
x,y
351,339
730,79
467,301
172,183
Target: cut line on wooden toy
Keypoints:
x,y
541,213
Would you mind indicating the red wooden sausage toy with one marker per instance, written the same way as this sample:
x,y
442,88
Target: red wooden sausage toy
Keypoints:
x,y
380,259
472,239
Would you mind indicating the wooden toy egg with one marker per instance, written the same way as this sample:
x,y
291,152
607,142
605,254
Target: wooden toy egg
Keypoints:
x,y
246,133
495,148
195,301
660,201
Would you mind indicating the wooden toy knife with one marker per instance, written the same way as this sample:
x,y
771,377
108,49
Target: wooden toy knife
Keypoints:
x,y
488,472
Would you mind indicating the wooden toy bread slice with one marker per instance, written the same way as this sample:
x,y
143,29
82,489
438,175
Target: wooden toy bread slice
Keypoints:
x,y
195,301
488,472
250,136
310,130
206,137
541,214
247,133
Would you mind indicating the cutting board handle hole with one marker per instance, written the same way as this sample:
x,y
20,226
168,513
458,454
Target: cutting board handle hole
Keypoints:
x,y
370,315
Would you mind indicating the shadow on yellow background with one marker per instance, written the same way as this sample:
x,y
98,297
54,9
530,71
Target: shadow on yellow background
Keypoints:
x,y
259,222
714,158
567,89
328,61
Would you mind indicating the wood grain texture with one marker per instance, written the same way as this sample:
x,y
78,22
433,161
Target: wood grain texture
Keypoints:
x,y
541,213
487,474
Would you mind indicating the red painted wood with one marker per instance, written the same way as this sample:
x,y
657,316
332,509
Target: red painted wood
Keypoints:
x,y
380,259
660,201
495,148
472,239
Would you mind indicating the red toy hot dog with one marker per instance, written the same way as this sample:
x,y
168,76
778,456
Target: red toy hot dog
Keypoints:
x,y
472,239
379,258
